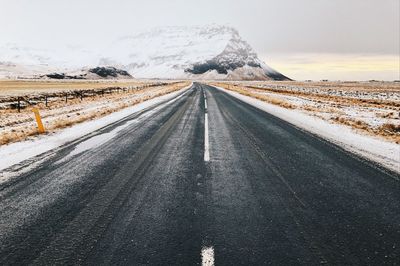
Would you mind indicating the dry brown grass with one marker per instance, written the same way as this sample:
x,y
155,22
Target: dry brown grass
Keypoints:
x,y
390,128
17,135
265,98
352,122
17,87
336,85
388,131
391,115
329,98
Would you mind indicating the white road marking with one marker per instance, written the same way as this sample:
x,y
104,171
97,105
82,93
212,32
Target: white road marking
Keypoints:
x,y
207,256
206,142
205,99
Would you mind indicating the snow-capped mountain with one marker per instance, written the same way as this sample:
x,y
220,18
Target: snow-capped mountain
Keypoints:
x,y
210,52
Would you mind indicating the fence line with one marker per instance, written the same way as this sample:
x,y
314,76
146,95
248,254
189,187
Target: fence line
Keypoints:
x,y
21,102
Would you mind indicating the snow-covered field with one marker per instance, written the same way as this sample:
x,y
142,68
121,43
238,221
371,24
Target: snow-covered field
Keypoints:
x,y
316,110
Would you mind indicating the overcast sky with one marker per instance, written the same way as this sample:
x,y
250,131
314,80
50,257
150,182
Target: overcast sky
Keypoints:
x,y
298,36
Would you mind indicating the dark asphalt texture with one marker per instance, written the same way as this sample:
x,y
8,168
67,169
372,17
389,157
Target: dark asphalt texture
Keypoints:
x,y
271,194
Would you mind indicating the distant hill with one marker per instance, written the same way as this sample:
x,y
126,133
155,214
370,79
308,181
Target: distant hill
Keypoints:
x,y
91,73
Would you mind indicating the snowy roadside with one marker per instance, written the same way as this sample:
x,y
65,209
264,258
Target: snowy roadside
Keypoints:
x,y
373,148
370,108
63,111
18,152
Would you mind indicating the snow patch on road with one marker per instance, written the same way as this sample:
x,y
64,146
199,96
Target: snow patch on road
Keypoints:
x,y
375,149
95,141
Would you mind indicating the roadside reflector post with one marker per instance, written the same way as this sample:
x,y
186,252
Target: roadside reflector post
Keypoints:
x,y
38,121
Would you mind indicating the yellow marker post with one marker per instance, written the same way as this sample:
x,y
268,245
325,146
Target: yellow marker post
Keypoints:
x,y
38,120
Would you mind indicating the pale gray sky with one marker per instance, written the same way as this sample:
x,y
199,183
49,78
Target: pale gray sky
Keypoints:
x,y
283,32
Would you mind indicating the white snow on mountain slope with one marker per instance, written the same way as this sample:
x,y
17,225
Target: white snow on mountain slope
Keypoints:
x,y
182,45
208,52
58,57
23,61
14,70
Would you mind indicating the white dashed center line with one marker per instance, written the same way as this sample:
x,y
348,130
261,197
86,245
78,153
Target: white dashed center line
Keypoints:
x,y
207,256
206,141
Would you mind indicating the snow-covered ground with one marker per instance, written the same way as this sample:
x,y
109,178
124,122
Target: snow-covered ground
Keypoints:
x,y
13,154
373,148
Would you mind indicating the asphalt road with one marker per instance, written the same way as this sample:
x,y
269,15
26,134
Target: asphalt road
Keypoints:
x,y
207,175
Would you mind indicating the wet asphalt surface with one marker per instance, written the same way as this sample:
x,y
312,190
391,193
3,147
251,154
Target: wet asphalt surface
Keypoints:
x,y
271,194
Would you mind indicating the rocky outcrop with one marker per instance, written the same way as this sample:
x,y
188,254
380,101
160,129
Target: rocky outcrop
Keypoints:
x,y
92,73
